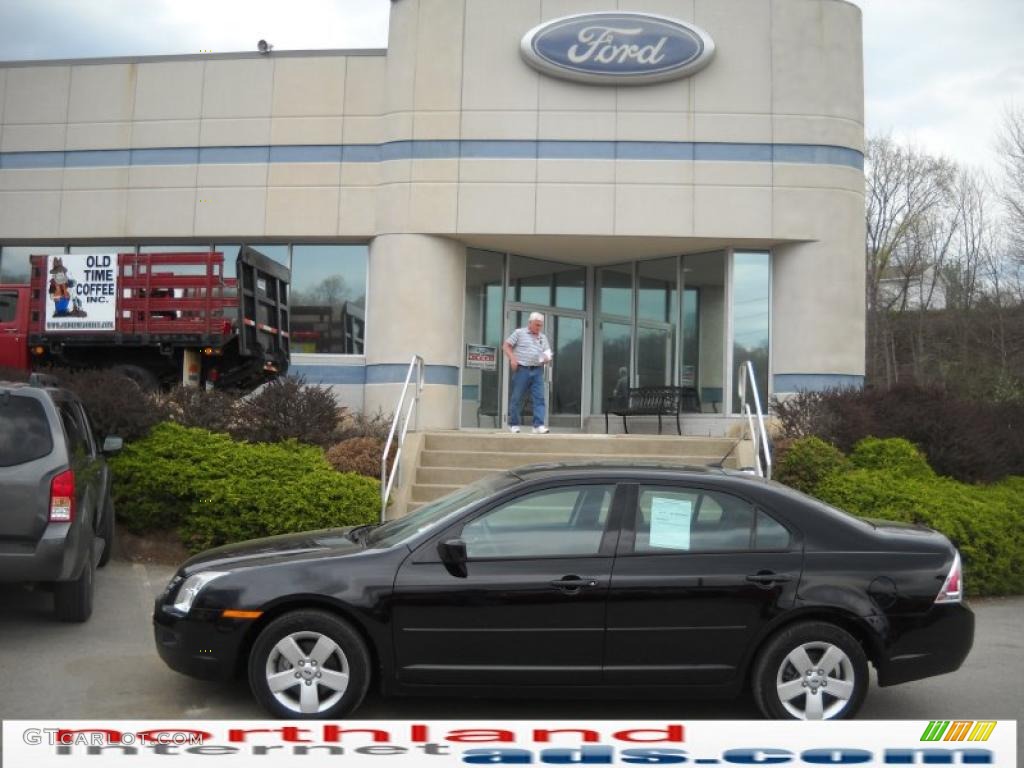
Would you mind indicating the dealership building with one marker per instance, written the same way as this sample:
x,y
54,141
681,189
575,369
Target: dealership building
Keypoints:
x,y
677,185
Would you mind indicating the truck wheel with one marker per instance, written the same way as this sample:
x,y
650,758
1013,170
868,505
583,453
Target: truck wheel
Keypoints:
x,y
309,664
106,531
145,378
73,599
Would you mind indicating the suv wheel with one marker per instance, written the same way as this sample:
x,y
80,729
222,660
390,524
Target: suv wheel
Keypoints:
x,y
811,671
73,599
309,665
107,531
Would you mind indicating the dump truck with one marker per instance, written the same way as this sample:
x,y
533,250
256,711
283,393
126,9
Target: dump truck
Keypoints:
x,y
158,318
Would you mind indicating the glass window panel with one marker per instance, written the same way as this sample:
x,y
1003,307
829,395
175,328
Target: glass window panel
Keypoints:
x,y
328,298
483,326
615,290
559,522
611,364
690,369
656,356
657,290
122,248
770,534
548,283
705,273
750,320
190,269
14,263
674,520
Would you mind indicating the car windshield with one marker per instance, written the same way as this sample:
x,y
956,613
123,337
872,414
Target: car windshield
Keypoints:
x,y
429,515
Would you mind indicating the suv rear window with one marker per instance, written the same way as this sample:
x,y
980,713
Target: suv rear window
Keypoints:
x,y
24,430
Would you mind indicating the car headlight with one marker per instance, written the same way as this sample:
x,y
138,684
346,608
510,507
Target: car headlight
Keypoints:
x,y
191,588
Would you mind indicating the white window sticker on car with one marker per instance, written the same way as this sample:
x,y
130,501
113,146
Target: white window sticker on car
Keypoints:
x,y
670,522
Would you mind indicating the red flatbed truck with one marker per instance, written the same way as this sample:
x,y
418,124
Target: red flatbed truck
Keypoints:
x,y
159,318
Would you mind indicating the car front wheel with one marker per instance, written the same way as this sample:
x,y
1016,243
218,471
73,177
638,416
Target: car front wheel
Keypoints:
x,y
811,671
309,665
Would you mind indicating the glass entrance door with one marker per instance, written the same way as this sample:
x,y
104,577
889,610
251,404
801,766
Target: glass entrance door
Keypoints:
x,y
563,377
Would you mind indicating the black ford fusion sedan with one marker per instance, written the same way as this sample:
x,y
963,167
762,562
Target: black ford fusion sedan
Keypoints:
x,y
578,580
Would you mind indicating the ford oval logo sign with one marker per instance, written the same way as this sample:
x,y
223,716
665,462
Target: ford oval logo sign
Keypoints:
x,y
619,48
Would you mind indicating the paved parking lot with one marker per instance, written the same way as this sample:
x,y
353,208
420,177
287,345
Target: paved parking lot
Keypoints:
x,y
109,668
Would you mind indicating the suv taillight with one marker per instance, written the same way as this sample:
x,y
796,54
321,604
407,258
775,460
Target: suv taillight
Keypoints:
x,y
953,587
62,497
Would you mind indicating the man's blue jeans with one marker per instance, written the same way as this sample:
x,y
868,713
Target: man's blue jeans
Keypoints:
x,y
524,378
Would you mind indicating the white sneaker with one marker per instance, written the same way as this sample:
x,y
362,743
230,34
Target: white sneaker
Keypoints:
x,y
513,429
541,430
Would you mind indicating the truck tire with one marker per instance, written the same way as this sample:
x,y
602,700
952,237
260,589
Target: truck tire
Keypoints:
x,y
106,531
145,378
73,599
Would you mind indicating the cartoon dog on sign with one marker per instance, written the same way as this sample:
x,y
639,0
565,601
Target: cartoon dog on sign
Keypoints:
x,y
64,304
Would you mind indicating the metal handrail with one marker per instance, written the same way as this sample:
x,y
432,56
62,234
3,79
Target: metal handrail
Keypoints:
x,y
387,479
758,434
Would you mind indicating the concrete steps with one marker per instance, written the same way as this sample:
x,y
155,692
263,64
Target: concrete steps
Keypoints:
x,y
450,460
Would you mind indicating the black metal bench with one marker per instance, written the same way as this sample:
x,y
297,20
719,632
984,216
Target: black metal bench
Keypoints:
x,y
653,401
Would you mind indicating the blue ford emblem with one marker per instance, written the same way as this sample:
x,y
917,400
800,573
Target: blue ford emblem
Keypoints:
x,y
619,48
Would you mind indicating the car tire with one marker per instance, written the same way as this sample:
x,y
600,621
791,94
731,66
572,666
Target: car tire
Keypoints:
x,y
294,654
107,531
72,600
810,671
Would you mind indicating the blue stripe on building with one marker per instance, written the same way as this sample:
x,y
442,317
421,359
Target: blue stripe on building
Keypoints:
x,y
438,149
815,382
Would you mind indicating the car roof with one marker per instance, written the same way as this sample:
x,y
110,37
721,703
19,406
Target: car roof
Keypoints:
x,y
611,467
23,387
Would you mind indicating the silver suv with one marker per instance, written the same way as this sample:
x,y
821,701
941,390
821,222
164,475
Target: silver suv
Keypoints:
x,y
56,510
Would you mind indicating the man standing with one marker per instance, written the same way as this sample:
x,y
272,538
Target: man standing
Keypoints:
x,y
528,351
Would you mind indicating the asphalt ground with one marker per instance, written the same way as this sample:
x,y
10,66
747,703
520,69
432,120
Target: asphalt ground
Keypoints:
x,y
108,668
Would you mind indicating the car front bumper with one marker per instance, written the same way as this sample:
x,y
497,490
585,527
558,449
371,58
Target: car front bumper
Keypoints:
x,y
201,645
933,644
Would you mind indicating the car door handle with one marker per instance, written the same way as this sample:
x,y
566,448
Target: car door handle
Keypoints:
x,y
767,578
574,583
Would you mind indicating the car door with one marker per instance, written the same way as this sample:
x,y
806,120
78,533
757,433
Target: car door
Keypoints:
x,y
699,572
530,608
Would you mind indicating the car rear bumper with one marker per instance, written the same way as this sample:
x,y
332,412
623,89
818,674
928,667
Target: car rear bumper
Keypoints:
x,y
933,644
57,556
205,647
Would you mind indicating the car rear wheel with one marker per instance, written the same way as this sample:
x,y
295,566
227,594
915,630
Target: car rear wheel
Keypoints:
x,y
309,665
73,599
811,671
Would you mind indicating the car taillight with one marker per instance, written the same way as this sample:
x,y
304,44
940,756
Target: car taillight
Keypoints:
x,y
62,497
953,587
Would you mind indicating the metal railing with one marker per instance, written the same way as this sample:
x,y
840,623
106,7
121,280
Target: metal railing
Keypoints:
x,y
758,431
406,413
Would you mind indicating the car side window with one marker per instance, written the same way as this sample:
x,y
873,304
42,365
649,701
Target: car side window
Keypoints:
x,y
691,520
555,522
86,426
78,443
770,534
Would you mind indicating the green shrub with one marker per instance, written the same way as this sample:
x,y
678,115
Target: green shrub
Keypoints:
x,y
894,455
807,462
215,490
978,520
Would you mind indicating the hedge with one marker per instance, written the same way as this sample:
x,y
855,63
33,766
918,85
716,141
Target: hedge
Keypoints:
x,y
890,479
214,490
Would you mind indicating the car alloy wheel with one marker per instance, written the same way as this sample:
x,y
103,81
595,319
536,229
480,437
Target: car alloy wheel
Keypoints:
x,y
309,664
307,672
810,671
815,681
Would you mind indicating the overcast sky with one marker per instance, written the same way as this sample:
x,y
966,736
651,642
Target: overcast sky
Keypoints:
x,y
938,72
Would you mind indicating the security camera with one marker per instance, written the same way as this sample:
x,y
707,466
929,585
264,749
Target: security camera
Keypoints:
x,y
264,47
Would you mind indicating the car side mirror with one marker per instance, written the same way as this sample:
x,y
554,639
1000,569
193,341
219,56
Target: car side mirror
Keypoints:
x,y
453,555
112,444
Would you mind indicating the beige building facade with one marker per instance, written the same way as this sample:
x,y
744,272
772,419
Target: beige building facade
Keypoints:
x,y
428,195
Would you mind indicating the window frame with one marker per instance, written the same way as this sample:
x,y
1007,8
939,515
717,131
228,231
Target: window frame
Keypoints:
x,y
631,494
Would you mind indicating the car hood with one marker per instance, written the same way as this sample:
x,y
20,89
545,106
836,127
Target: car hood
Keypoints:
x,y
272,549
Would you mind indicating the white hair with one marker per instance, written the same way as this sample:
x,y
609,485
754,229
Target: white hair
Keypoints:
x,y
536,316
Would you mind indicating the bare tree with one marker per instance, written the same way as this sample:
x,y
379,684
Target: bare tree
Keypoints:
x,y
1011,149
